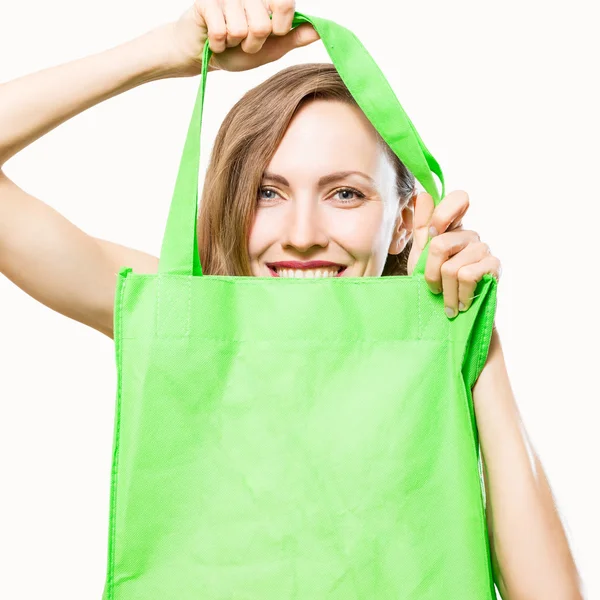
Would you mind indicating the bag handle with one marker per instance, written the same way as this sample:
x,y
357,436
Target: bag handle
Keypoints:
x,y
371,90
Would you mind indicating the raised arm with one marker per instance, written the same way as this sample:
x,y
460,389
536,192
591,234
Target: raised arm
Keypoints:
x,y
40,250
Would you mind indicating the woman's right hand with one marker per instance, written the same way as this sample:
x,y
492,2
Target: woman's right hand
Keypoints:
x,y
241,34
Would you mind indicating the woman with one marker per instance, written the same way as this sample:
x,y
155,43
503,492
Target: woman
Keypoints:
x,y
344,207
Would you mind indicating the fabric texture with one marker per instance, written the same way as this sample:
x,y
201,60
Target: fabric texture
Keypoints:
x,y
296,439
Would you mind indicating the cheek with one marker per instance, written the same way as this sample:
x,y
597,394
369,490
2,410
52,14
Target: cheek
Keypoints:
x,y
261,234
359,231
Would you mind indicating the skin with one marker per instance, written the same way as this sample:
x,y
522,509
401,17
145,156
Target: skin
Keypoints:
x,y
73,272
304,221
356,220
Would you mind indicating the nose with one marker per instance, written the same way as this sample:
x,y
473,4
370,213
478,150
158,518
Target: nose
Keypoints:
x,y
303,227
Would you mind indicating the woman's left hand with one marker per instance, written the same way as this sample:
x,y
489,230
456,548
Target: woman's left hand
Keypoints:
x,y
457,258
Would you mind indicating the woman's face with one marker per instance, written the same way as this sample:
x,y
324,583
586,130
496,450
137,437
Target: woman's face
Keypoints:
x,y
305,209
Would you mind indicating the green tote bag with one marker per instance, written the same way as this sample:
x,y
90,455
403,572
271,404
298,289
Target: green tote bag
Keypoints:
x,y
296,439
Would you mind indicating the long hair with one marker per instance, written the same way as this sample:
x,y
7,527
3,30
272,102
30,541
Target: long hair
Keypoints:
x,y
243,148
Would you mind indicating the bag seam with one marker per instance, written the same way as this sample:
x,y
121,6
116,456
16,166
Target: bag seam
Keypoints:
x,y
111,565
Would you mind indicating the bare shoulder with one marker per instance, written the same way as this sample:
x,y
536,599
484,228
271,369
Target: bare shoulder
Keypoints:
x,y
119,256
116,257
57,263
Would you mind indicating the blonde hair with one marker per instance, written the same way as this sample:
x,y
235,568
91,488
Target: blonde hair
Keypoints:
x,y
243,148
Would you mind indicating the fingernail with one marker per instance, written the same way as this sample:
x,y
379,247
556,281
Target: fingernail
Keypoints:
x,y
450,312
432,231
461,306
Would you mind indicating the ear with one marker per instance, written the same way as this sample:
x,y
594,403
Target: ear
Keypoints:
x,y
403,227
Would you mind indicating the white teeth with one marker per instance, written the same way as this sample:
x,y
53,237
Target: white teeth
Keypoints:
x,y
308,273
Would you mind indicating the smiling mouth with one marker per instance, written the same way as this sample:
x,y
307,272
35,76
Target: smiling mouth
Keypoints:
x,y
274,272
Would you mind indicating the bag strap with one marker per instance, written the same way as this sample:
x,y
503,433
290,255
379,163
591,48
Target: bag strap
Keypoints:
x,y
371,90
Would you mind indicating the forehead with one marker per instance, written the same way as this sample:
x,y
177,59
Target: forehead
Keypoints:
x,y
327,135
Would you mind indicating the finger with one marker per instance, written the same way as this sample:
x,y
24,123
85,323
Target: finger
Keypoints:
x,y
275,47
470,274
441,248
303,35
259,25
212,13
235,20
296,38
458,293
283,14
472,253
449,212
424,208
456,224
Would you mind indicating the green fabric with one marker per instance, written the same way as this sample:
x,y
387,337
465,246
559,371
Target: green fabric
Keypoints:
x,y
296,439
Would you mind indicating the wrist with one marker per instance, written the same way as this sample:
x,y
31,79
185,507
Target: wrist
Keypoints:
x,y
156,55
179,56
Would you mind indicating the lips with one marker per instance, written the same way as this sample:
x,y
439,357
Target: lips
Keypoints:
x,y
310,264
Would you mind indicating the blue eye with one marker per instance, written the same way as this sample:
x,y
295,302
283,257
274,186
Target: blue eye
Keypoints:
x,y
358,195
262,189
351,190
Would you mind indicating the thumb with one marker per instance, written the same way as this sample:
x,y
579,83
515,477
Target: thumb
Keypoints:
x,y
276,46
296,38
300,36
424,207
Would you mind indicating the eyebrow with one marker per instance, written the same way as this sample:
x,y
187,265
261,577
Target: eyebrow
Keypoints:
x,y
323,180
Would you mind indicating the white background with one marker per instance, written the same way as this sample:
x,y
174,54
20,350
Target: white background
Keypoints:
x,y
505,97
